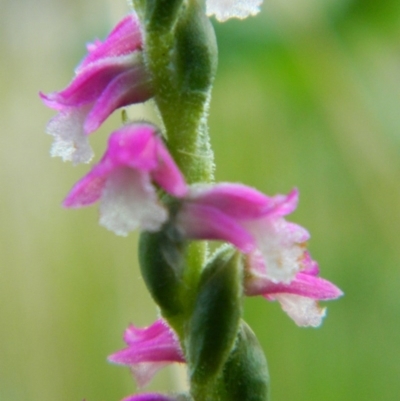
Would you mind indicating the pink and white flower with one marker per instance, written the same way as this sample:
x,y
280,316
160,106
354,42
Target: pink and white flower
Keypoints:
x,y
123,181
149,349
299,298
112,75
251,221
225,9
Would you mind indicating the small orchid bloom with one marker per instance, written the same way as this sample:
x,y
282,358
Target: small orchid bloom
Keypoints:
x,y
250,221
299,298
225,9
149,349
122,181
112,75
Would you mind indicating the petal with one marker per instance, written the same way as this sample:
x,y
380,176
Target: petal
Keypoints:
x,y
279,243
144,372
243,202
156,343
129,87
167,174
236,200
139,146
70,142
89,83
205,222
304,311
133,335
303,284
89,189
125,38
149,349
129,201
225,9
310,266
134,146
286,204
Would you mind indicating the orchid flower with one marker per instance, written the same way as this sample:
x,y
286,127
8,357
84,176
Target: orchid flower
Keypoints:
x,y
149,349
250,221
123,181
112,75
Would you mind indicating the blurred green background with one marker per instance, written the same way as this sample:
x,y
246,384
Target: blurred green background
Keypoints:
x,y
308,95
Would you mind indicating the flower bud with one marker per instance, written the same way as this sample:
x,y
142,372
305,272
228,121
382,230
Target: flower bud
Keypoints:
x,y
246,376
215,319
161,257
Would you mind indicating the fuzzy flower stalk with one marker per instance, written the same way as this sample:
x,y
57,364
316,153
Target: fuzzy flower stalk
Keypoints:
x,y
159,180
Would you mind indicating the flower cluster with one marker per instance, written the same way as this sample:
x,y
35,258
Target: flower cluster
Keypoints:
x,y
139,184
279,265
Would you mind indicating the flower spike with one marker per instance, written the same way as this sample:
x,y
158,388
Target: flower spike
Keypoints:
x,y
122,181
111,76
149,349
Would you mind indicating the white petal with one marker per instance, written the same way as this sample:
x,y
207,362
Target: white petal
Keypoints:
x,y
128,201
280,251
304,311
70,141
225,9
145,371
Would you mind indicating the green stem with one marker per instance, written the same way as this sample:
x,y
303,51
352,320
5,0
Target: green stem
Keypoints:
x,y
182,59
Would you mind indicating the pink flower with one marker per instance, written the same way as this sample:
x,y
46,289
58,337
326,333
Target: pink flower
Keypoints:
x,y
122,181
149,349
299,298
112,75
249,220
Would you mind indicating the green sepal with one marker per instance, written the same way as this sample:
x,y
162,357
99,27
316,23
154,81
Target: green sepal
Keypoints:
x,y
161,259
160,15
246,376
215,319
195,51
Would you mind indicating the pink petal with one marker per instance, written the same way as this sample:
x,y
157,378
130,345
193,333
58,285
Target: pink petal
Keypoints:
x,y
125,38
303,284
88,190
310,266
235,200
129,87
167,174
139,146
133,334
134,146
89,83
286,204
149,349
155,343
205,222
